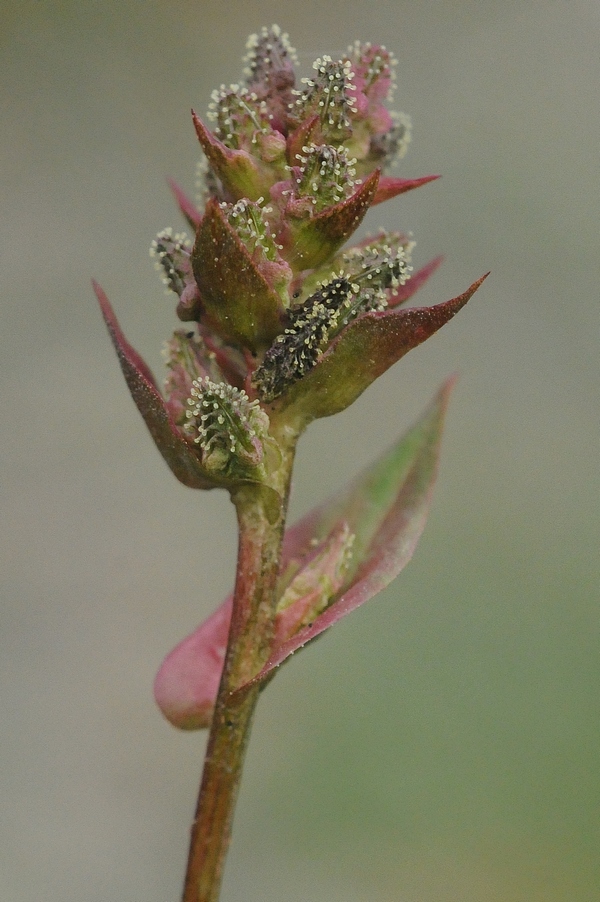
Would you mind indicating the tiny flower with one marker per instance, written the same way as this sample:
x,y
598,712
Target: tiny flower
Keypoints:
x,y
310,236
296,351
269,71
360,288
171,252
368,273
240,173
172,255
187,359
228,427
330,96
324,176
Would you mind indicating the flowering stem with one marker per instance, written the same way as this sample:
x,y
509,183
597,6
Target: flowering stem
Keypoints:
x,y
261,519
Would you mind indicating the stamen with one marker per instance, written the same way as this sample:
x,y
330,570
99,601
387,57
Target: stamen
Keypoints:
x,y
329,96
225,423
247,218
327,175
312,326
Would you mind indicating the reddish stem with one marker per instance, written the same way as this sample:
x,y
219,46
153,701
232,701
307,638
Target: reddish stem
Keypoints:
x,y
261,518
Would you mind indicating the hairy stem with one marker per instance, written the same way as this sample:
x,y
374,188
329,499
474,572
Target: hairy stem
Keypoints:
x,y
261,518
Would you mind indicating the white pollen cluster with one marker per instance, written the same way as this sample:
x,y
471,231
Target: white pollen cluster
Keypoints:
x,y
247,218
327,174
222,417
313,325
382,265
328,92
236,110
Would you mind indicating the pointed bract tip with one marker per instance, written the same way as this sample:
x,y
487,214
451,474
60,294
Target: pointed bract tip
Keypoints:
x,y
187,207
390,187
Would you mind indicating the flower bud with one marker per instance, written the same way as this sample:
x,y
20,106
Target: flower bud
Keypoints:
x,y
329,95
228,427
270,72
243,121
315,584
312,326
324,178
187,359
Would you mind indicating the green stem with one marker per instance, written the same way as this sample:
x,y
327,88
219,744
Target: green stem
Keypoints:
x,y
261,518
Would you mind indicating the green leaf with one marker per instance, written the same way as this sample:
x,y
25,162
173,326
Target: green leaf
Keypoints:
x,y
386,508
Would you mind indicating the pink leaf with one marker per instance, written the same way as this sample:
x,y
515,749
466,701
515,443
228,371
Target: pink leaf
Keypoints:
x,y
150,403
186,685
385,510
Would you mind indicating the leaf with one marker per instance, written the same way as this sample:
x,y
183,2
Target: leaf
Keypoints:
x,y
365,349
174,448
237,298
385,510
187,682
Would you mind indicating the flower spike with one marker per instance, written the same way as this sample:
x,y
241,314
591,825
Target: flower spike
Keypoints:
x,y
285,323
288,324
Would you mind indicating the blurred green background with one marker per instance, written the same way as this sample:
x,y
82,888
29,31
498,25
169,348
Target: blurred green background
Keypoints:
x,y
441,745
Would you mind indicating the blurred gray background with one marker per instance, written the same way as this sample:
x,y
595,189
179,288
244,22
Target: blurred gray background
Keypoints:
x,y
441,745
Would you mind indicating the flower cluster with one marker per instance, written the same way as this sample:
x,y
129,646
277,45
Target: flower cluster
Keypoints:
x,y
285,325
